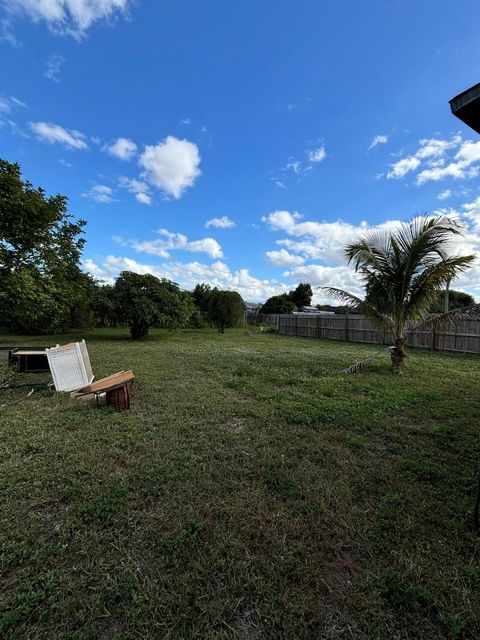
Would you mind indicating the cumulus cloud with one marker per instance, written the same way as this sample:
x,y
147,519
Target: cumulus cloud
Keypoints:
x,y
400,168
316,240
100,193
139,188
377,140
326,241
53,133
169,241
171,165
69,17
435,147
53,67
440,159
463,166
283,258
319,275
143,198
471,210
217,274
443,195
122,148
220,223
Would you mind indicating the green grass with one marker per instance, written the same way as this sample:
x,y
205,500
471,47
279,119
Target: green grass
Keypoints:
x,y
252,492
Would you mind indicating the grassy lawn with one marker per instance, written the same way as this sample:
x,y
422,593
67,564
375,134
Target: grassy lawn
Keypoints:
x,y
252,492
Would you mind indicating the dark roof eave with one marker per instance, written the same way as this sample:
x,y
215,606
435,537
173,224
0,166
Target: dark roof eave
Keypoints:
x,y
466,107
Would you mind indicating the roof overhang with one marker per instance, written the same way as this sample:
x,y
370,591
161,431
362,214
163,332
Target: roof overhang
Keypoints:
x,y
466,106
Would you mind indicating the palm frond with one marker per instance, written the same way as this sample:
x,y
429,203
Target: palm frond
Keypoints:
x,y
380,320
447,319
372,251
360,366
426,285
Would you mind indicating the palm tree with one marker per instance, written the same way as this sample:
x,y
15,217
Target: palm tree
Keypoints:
x,y
403,271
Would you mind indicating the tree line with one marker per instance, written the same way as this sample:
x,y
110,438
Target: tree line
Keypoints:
x,y
44,290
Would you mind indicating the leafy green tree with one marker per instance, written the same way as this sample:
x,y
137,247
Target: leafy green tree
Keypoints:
x,y
144,301
225,309
403,272
278,304
302,295
200,295
41,284
456,300
104,305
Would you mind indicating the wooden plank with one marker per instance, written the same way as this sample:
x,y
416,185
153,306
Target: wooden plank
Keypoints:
x,y
110,382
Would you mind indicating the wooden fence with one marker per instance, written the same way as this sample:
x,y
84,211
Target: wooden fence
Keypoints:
x,y
464,338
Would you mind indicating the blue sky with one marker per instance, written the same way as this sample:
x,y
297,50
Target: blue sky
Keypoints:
x,y
244,143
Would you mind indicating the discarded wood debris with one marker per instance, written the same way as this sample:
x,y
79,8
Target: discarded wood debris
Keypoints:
x,y
28,359
117,389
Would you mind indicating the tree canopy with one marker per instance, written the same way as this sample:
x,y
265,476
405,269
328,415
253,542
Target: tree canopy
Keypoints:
x,y
225,309
278,304
456,300
301,296
145,301
41,284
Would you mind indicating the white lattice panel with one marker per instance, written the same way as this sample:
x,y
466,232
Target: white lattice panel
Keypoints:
x,y
70,366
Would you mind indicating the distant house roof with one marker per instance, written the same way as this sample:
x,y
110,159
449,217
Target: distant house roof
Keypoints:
x,y
308,309
252,305
466,106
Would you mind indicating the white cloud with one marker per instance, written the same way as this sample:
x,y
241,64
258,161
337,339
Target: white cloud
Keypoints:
x,y
139,188
10,103
100,193
207,245
189,274
380,139
433,153
172,165
53,67
318,275
295,166
400,168
326,241
317,155
122,148
471,211
70,17
220,223
469,152
457,170
133,185
283,258
144,198
299,167
443,195
318,240
174,241
53,133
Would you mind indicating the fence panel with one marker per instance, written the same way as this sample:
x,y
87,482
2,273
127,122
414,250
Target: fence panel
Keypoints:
x,y
463,338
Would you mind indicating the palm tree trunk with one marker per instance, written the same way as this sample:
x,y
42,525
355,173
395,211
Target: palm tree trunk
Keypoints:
x,y
398,353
